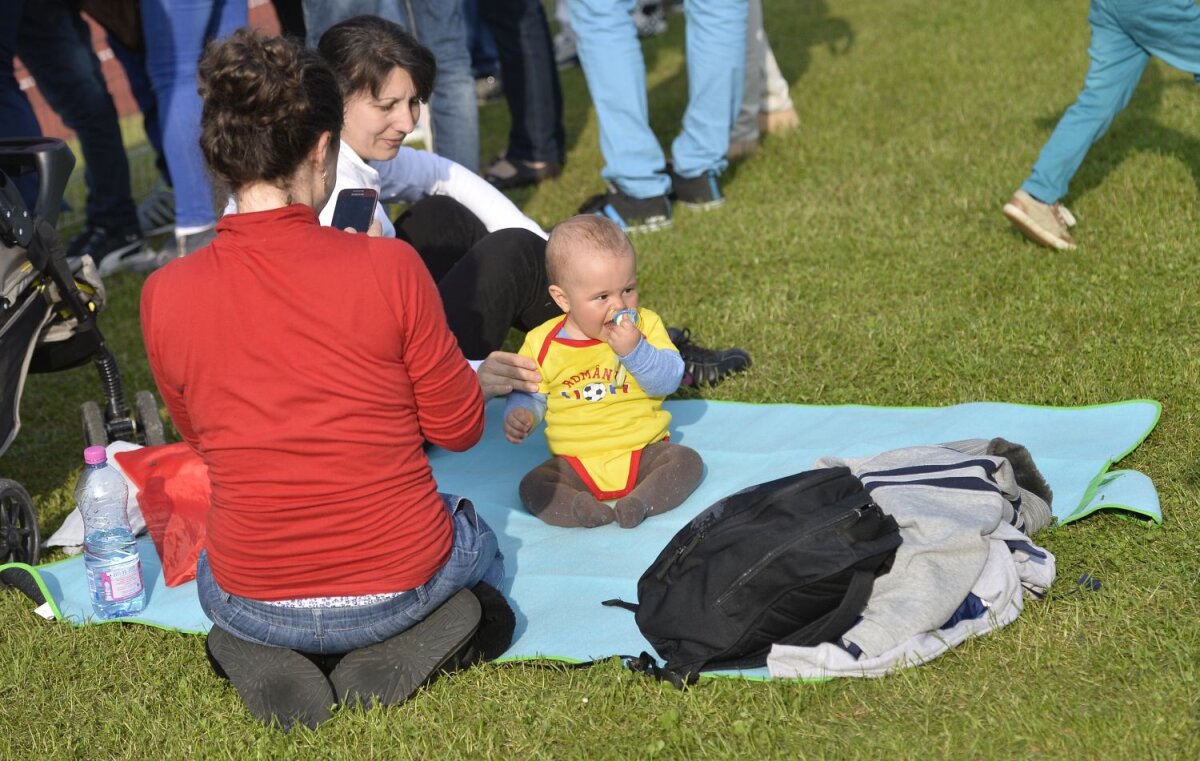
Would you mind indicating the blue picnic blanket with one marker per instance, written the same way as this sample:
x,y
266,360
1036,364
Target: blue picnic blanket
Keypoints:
x,y
556,578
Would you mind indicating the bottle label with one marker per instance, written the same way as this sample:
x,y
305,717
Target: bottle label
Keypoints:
x,y
122,580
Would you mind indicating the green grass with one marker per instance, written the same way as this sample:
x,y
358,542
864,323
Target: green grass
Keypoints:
x,y
861,259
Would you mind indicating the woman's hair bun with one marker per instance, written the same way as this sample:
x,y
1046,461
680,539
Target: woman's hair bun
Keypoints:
x,y
266,102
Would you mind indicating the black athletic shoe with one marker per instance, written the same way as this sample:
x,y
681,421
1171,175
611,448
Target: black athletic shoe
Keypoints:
x,y
634,215
706,367
277,685
98,242
389,672
701,192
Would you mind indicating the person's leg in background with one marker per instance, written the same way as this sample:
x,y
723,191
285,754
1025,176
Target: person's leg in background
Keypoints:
x,y
291,18
16,114
156,212
565,54
176,32
743,138
766,101
1117,63
438,24
319,15
536,141
55,43
716,60
634,164
777,112
485,58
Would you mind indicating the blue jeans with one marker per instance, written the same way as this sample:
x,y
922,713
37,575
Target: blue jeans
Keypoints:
x,y
474,557
438,24
16,115
176,32
56,46
531,85
1125,33
134,64
485,60
612,62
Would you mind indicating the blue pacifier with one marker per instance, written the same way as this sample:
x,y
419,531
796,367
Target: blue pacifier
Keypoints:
x,y
631,314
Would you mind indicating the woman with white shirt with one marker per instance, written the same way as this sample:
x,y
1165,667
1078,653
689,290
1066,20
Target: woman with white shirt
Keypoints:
x,y
487,258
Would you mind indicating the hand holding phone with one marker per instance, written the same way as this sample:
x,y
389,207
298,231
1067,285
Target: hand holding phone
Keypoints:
x,y
355,209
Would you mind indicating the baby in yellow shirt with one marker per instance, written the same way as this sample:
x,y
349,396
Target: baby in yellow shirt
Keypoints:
x,y
606,366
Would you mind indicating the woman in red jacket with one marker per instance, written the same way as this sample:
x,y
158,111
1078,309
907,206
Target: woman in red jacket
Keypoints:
x,y
307,366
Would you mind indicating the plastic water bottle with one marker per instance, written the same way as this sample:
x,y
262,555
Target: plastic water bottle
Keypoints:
x,y
110,554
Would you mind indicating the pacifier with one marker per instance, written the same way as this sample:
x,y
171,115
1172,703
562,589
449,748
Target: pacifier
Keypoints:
x,y
629,314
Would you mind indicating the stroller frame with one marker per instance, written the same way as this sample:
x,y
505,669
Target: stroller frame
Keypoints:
x,y
40,292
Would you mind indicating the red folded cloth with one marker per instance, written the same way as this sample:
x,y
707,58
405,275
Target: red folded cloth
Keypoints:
x,y
174,495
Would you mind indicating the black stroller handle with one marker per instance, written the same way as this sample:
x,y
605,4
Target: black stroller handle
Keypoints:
x,y
50,158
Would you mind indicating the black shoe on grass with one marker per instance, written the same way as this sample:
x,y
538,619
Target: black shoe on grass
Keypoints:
x,y
634,215
706,367
700,192
277,685
100,242
390,672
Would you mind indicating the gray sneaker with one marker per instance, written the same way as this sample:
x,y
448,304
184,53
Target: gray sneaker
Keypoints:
x,y
156,214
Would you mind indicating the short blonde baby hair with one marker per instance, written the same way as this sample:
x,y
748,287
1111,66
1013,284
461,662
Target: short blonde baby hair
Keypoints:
x,y
578,234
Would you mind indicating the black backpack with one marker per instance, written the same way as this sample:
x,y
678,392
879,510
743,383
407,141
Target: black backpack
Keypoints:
x,y
791,561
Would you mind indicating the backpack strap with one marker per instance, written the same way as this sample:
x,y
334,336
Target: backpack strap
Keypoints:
x,y
619,603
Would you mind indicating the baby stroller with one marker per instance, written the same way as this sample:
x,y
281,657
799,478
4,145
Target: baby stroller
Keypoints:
x,y
48,309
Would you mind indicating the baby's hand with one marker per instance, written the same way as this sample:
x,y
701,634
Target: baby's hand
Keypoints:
x,y
623,337
518,425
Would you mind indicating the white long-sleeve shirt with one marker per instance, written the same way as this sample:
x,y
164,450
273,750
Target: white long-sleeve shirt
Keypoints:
x,y
413,175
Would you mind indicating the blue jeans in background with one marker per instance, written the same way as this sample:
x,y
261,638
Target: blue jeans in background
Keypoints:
x,y
176,32
55,44
485,61
134,64
474,557
612,62
1125,33
438,24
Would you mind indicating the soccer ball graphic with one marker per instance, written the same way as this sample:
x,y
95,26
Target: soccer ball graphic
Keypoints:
x,y
594,392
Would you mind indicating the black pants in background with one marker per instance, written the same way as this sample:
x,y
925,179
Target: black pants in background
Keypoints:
x,y
489,282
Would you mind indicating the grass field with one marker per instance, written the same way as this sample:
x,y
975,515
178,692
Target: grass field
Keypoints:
x,y
860,259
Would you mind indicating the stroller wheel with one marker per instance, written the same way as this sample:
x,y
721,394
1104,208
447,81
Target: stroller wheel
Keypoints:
x,y
20,541
145,410
95,434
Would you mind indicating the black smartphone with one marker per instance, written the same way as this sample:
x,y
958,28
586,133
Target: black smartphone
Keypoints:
x,y
355,208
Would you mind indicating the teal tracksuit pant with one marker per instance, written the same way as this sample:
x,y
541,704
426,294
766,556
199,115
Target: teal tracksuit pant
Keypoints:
x,y
1125,33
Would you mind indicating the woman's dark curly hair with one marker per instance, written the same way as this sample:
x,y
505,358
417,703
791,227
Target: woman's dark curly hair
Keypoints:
x,y
266,103
364,50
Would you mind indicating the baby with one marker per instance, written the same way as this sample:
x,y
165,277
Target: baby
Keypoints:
x,y
606,367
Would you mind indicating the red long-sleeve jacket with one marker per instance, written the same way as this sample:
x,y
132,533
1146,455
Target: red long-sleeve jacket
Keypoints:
x,y
306,366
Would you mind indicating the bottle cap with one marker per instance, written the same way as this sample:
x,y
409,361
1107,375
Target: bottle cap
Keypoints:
x,y
95,455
